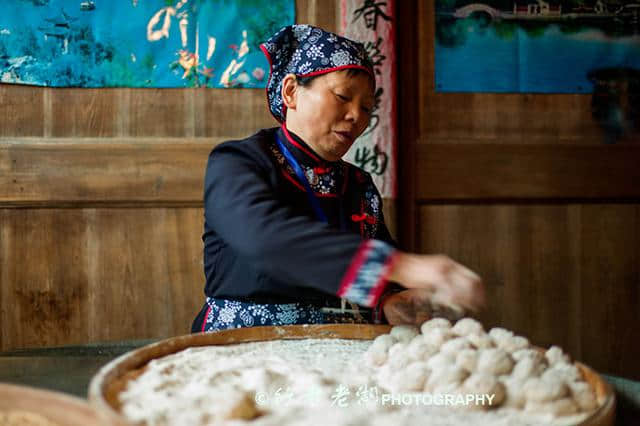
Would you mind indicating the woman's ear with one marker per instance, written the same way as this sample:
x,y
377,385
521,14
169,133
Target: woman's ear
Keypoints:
x,y
289,91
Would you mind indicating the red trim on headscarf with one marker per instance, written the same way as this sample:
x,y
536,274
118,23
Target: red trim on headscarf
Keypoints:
x,y
341,67
297,145
266,53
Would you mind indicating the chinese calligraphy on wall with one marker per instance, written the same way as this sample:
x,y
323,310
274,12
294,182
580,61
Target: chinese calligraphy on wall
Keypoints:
x,y
372,22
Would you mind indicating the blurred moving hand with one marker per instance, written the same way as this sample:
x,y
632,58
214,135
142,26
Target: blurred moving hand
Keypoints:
x,y
431,280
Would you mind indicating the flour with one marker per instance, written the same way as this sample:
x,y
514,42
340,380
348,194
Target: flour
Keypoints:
x,y
296,382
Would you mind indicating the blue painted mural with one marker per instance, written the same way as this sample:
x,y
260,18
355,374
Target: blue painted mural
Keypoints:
x,y
533,46
138,43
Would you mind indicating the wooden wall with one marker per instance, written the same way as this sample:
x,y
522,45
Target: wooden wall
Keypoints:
x,y
521,188
101,204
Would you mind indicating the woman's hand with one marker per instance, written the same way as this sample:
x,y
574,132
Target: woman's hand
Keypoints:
x,y
439,279
407,307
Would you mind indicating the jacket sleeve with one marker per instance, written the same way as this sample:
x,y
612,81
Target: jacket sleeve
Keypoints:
x,y
243,207
383,234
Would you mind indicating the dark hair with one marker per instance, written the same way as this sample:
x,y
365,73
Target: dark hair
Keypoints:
x,y
351,72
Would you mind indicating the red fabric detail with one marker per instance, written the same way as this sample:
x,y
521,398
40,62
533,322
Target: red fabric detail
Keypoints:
x,y
297,145
319,170
266,89
363,218
354,267
383,281
204,322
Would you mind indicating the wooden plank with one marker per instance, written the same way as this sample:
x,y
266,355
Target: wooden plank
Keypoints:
x,y
43,279
609,261
471,171
85,172
320,13
81,275
157,112
83,112
235,112
21,110
408,119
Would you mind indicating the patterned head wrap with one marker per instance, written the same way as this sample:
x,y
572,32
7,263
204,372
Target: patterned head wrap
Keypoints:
x,y
305,51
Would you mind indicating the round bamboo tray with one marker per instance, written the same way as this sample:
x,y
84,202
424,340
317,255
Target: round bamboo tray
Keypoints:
x,y
113,377
61,409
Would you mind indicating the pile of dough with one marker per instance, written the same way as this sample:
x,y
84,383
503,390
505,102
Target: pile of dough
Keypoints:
x,y
463,358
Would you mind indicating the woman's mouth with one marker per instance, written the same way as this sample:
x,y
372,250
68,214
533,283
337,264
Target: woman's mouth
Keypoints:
x,y
344,137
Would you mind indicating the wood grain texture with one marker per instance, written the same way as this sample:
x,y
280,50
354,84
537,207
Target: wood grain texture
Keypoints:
x,y
475,171
234,112
85,172
610,296
82,113
79,275
21,111
558,274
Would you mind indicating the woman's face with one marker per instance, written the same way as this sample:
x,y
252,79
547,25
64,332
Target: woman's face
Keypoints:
x,y
331,112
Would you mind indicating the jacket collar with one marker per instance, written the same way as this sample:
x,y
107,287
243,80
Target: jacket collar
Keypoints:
x,y
301,151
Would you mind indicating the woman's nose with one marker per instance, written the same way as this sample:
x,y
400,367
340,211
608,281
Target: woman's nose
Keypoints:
x,y
354,113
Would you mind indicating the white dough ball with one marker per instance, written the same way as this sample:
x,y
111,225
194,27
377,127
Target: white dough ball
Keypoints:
x,y
545,390
513,343
384,342
555,355
413,378
398,357
437,336
375,356
419,349
584,395
564,371
435,323
499,333
528,367
481,340
440,361
467,326
485,384
529,353
494,361
557,408
446,380
455,345
397,349
514,389
404,333
467,359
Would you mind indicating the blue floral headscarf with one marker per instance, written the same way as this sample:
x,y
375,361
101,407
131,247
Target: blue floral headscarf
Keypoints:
x,y
305,51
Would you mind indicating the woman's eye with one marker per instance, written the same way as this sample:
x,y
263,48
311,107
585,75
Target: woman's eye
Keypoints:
x,y
342,97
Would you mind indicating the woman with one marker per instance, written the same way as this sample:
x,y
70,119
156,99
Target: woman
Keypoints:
x,y
293,234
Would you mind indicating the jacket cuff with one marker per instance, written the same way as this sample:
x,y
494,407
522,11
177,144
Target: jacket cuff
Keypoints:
x,y
366,277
